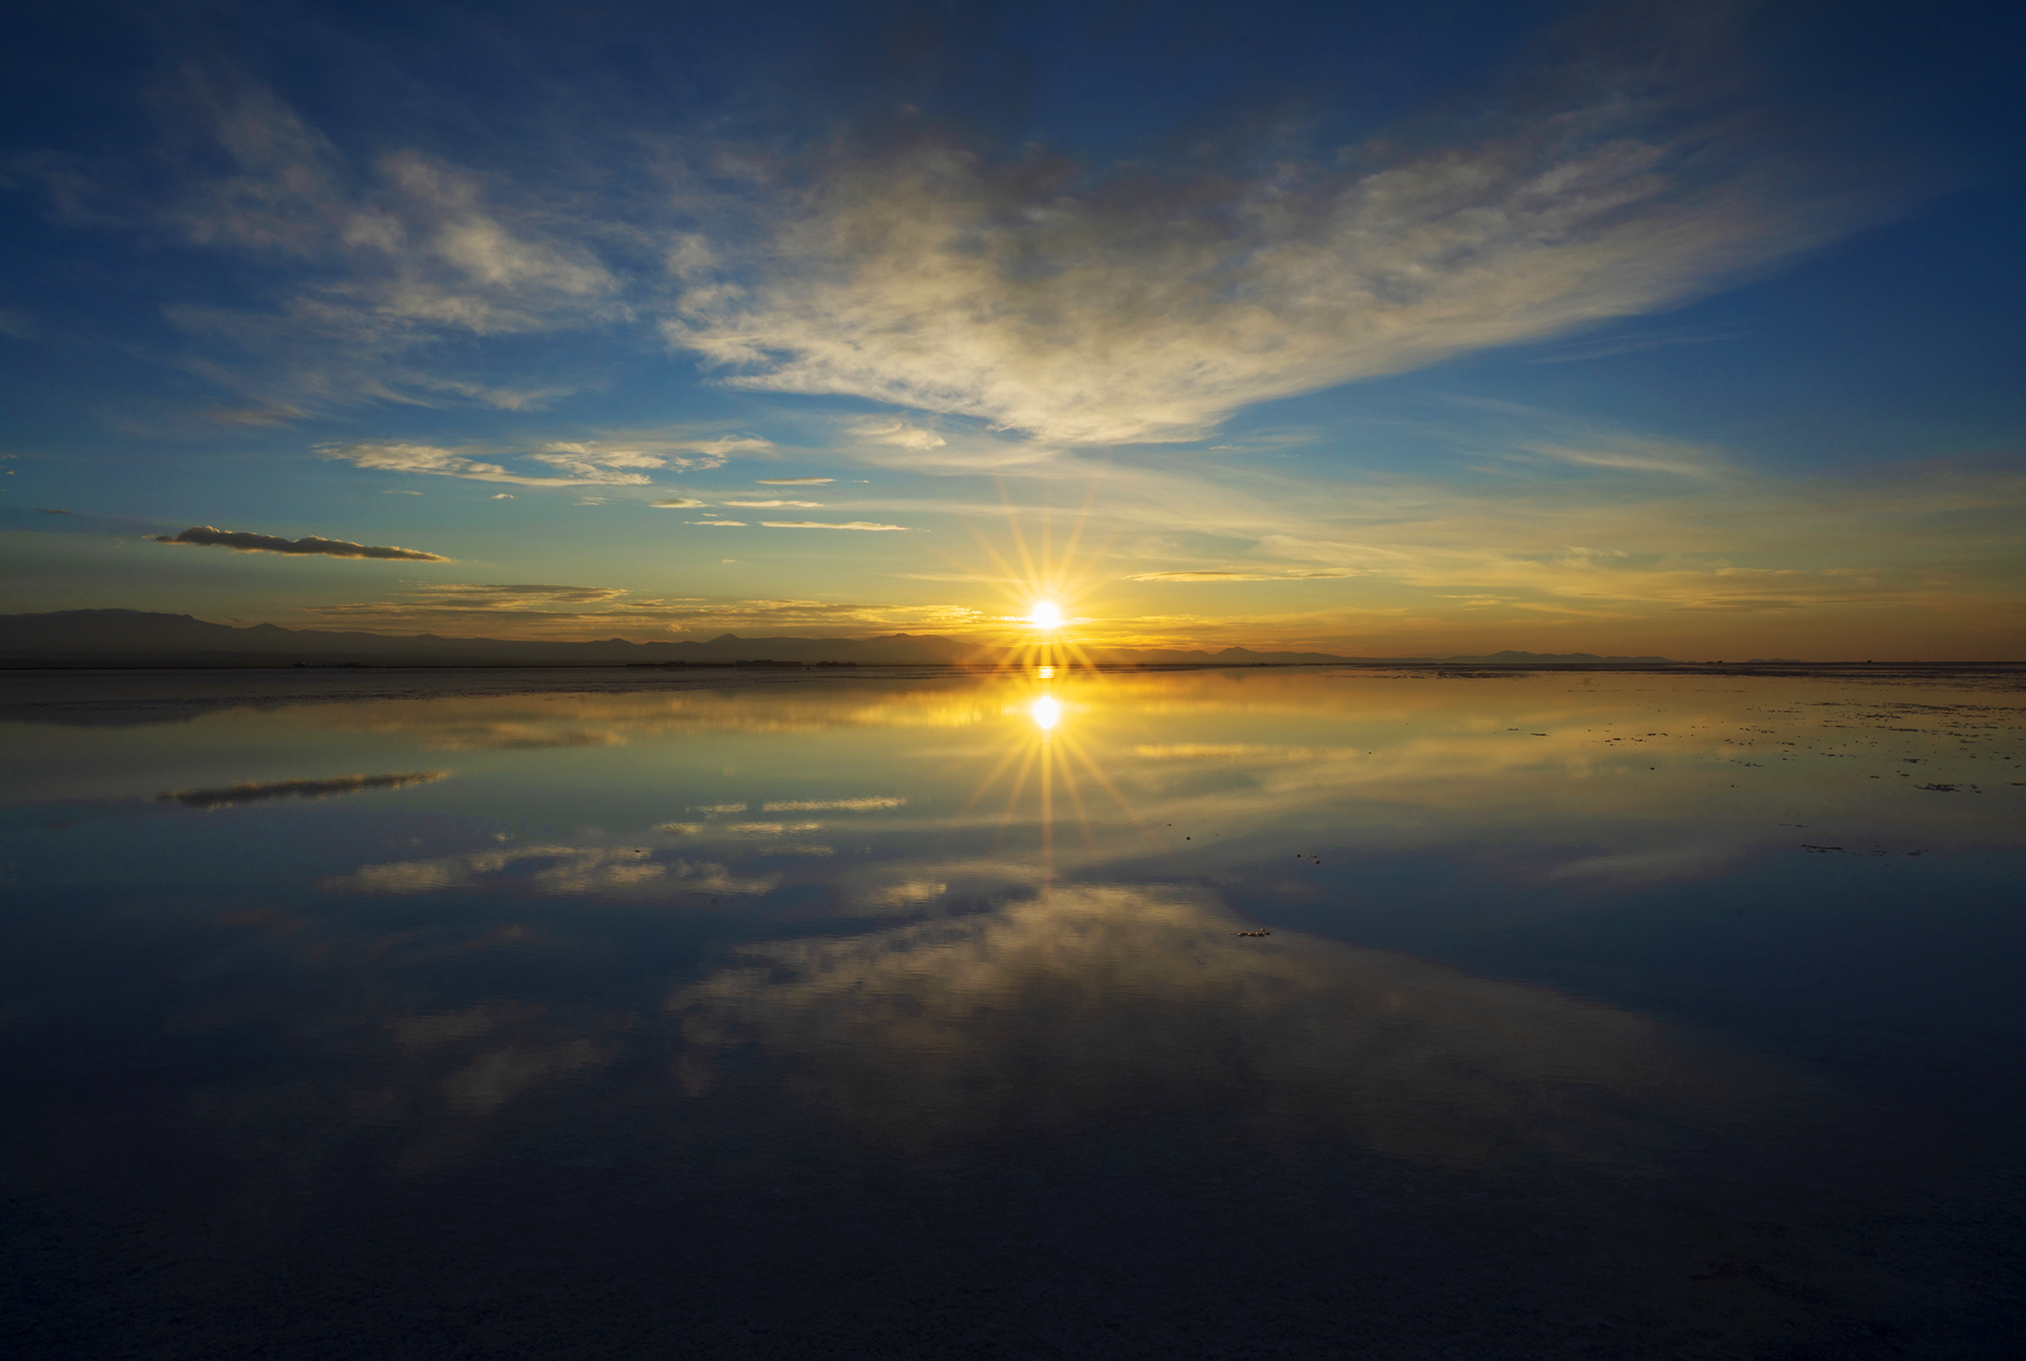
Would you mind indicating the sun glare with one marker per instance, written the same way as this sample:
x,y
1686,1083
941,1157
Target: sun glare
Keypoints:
x,y
1047,713
1045,615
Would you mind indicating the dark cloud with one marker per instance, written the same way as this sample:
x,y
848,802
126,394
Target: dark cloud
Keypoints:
x,y
255,791
507,593
240,541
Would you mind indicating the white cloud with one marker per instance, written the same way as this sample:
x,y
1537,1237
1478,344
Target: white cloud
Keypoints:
x,y
793,481
583,463
1672,458
768,505
899,434
427,458
592,458
679,503
868,803
1242,576
938,280
823,524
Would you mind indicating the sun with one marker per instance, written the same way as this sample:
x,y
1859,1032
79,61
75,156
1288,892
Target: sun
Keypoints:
x,y
1046,614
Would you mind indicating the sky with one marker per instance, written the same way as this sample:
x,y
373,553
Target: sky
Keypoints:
x,y
1379,329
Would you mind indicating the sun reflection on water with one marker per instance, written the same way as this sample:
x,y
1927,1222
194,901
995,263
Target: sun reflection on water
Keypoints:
x,y
1047,713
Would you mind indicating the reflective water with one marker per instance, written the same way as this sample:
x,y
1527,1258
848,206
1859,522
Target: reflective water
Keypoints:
x,y
1218,1013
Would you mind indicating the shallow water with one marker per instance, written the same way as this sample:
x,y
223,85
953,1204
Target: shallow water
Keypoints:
x,y
909,1014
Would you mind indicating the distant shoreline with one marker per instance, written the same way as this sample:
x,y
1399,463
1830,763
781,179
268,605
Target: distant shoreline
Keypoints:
x,y
227,663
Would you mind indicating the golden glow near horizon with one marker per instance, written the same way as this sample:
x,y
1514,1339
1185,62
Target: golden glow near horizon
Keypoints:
x,y
1046,614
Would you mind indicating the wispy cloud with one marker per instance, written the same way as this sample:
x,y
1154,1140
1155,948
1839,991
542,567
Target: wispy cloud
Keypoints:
x,y
1213,576
793,481
866,804
581,612
583,463
900,434
261,791
606,870
1605,347
396,457
768,505
385,259
825,524
511,596
240,541
592,458
1673,458
1039,298
679,503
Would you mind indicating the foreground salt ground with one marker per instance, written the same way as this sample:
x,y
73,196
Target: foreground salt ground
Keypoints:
x,y
1619,1015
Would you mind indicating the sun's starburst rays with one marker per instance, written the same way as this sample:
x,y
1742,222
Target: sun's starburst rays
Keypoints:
x,y
1046,588
1052,739
1054,702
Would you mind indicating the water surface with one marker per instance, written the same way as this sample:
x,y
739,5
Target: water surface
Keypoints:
x,y
914,1014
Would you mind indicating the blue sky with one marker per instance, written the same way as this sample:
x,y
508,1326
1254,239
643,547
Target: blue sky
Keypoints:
x,y
1382,329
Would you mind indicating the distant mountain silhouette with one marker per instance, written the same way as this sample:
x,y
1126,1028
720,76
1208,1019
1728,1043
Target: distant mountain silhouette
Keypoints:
x,y
139,637
1549,658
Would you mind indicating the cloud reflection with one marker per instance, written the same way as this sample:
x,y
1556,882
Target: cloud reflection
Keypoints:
x,y
1111,1002
254,791
563,870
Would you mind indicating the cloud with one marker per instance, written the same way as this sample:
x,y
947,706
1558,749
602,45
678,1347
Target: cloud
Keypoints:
x,y
859,805
584,463
1608,346
397,457
1363,1048
598,612
763,505
821,524
737,829
373,263
502,496
239,541
257,792
679,503
398,491
606,871
1637,455
518,595
1243,576
793,481
591,458
899,434
719,524
1090,307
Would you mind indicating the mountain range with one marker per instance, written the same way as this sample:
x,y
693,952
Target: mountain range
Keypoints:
x,y
140,637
